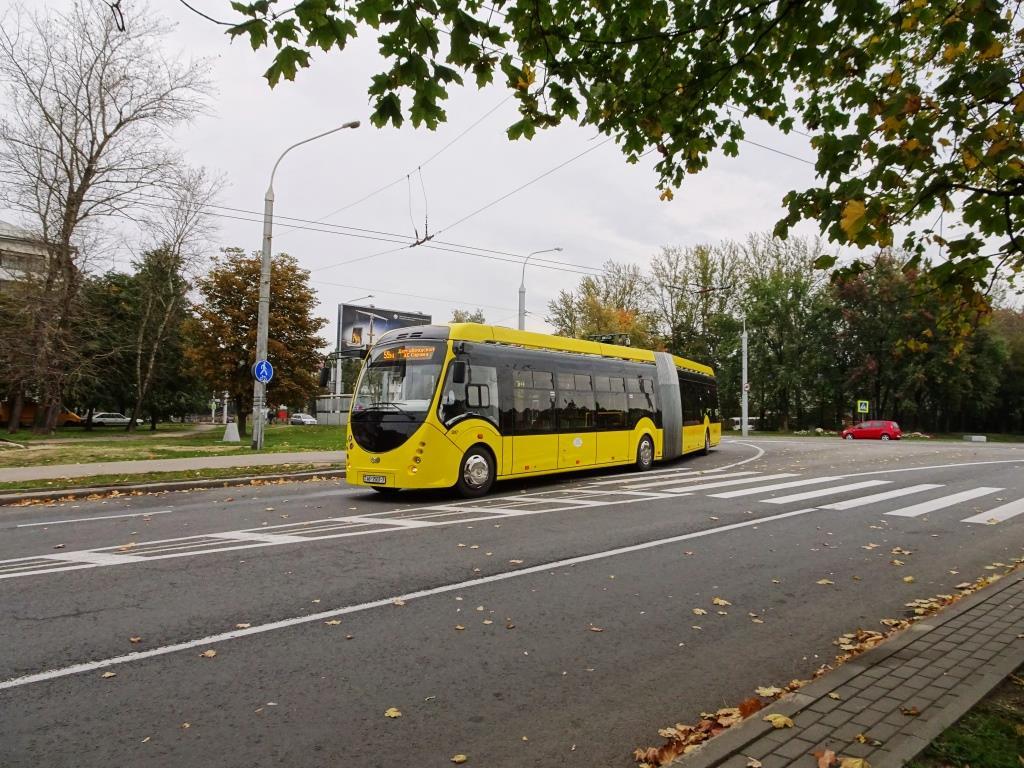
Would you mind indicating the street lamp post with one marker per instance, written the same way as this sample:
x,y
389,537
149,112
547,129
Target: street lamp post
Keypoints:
x,y
522,287
743,407
259,389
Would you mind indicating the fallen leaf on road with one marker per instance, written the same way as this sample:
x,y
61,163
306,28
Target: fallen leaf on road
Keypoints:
x,y
824,582
392,712
753,762
510,625
910,711
398,601
900,551
896,562
720,601
596,629
756,620
778,721
908,579
516,562
749,706
332,622
459,627
826,758
135,639
186,725
488,621
458,759
836,696
861,738
699,612
59,546
687,552
242,626
109,674
146,739
208,654
853,762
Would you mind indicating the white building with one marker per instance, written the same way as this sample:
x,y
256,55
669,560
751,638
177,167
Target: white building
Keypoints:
x,y
21,254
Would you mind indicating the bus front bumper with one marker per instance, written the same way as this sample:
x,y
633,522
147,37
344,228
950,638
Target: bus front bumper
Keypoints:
x,y
428,459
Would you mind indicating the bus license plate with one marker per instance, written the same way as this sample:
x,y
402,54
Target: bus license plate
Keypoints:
x,y
375,479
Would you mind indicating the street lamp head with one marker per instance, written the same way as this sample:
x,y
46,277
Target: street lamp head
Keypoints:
x,y
353,124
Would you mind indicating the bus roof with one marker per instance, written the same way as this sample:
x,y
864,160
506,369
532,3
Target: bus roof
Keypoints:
x,y
501,335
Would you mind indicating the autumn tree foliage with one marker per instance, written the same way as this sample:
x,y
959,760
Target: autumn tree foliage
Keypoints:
x,y
929,354
224,336
468,316
913,107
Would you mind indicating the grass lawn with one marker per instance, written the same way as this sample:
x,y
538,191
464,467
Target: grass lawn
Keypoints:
x,y
116,445
103,481
991,735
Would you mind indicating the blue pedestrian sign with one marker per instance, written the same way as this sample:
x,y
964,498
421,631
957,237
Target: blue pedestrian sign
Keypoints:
x,y
263,371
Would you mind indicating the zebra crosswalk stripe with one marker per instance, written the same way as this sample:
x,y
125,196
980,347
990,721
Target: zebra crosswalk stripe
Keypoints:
x,y
724,483
942,502
999,514
691,479
826,491
863,501
774,487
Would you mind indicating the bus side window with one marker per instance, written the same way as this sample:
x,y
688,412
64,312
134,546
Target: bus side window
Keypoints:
x,y
533,402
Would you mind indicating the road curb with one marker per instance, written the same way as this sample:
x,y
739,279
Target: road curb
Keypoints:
x,y
727,749
7,499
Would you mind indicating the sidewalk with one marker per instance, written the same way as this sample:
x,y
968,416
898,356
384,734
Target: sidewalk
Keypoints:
x,y
59,471
898,696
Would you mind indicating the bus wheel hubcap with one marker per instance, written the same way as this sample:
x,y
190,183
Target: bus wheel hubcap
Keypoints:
x,y
476,470
645,452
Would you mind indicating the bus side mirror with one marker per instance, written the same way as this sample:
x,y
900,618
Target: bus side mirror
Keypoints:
x,y
458,372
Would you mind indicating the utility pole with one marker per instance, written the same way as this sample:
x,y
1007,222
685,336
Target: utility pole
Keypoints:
x,y
746,384
259,389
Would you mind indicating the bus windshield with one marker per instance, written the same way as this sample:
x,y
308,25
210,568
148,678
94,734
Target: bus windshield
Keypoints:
x,y
400,378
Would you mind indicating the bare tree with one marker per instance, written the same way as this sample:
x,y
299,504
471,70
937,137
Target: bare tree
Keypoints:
x,y
178,233
84,131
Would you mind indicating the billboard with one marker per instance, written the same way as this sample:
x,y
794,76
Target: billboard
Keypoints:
x,y
359,327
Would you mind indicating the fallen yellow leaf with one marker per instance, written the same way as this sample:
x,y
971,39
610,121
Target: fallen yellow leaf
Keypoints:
x,y
824,582
392,712
836,696
753,762
459,759
908,579
242,626
768,691
778,721
332,622
853,762
699,612
208,654
109,674
135,639
720,601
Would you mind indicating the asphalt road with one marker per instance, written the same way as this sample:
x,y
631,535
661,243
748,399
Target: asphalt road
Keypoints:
x,y
549,624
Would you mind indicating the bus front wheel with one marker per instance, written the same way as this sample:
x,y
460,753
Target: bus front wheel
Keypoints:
x,y
476,472
645,453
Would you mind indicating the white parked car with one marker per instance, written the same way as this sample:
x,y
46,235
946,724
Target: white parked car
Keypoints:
x,y
302,419
112,419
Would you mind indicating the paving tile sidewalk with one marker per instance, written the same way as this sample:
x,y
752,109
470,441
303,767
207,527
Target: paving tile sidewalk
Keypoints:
x,y
939,667
58,471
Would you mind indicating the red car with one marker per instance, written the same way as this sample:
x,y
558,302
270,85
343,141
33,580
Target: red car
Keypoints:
x,y
873,430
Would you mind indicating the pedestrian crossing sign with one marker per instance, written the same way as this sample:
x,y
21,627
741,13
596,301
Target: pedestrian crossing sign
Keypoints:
x,y
862,406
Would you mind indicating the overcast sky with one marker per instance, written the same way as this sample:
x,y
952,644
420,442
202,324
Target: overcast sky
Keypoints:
x,y
595,208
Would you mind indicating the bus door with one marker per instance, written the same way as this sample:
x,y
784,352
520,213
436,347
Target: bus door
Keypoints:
x,y
577,438
610,415
534,440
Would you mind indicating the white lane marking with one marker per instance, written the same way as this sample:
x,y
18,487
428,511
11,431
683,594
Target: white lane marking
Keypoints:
x,y
1000,514
726,483
639,478
90,519
92,558
755,457
401,522
774,487
268,538
863,501
692,479
936,466
826,491
942,502
91,666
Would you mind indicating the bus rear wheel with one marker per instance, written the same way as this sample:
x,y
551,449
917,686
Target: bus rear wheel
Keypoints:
x,y
645,454
476,472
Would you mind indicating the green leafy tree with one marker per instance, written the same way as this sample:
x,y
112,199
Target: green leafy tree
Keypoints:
x,y
610,303
224,333
912,107
468,316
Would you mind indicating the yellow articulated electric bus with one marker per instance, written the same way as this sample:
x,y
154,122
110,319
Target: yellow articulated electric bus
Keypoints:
x,y
463,405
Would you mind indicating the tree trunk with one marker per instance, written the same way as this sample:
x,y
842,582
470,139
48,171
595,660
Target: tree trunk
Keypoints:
x,y
14,408
152,422
88,418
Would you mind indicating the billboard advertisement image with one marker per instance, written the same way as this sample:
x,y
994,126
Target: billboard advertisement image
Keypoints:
x,y
359,327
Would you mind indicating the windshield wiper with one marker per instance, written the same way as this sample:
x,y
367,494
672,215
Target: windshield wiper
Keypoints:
x,y
394,405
